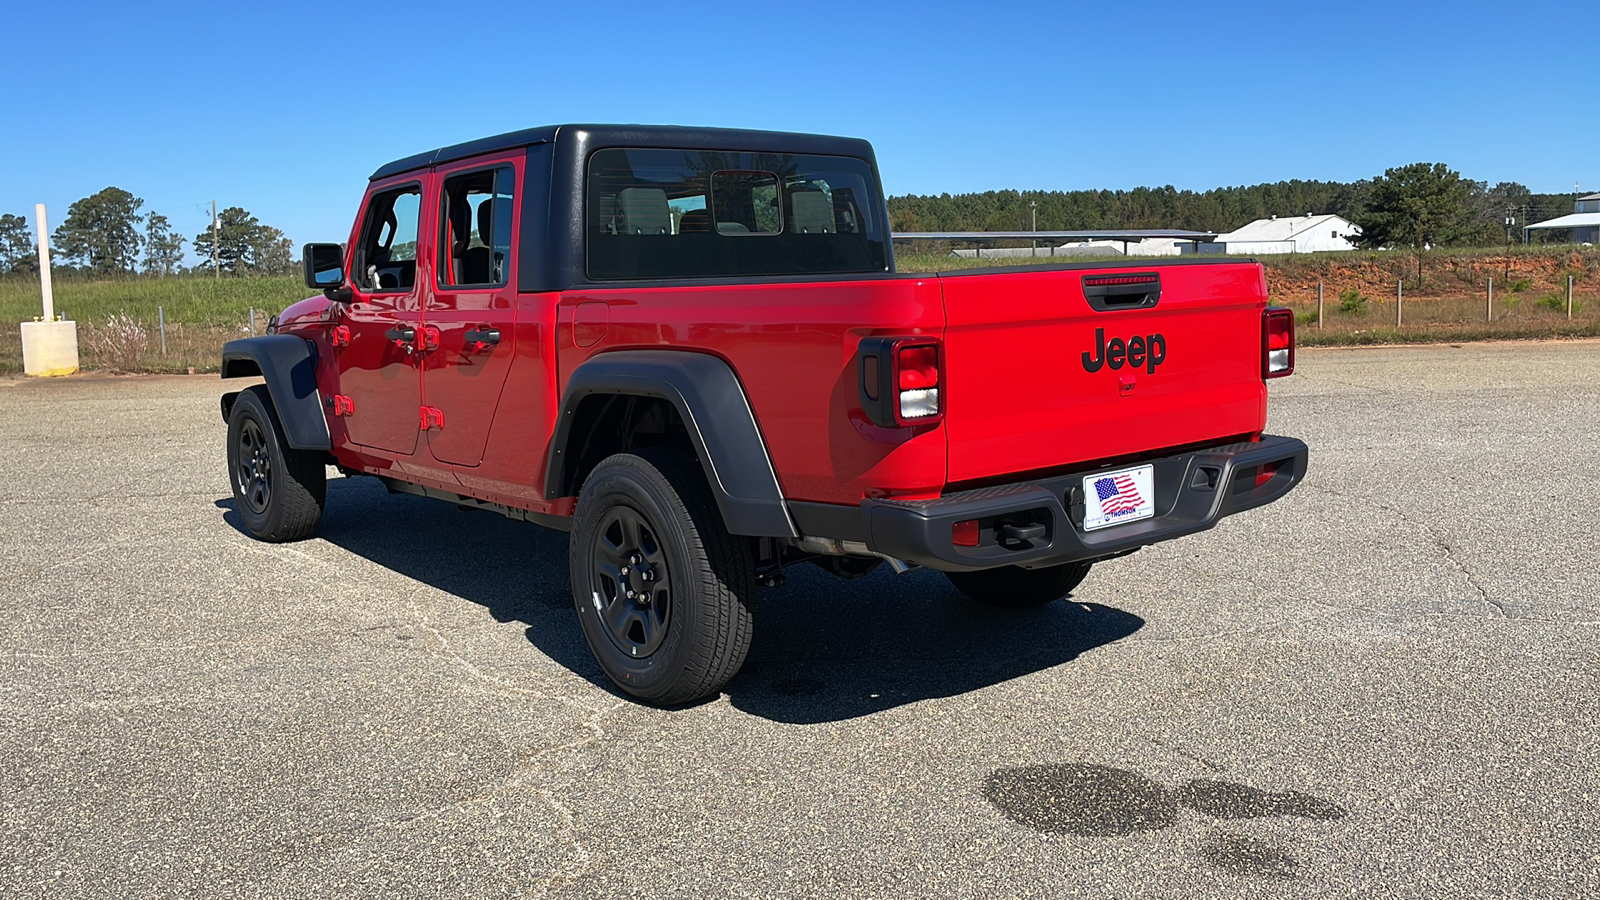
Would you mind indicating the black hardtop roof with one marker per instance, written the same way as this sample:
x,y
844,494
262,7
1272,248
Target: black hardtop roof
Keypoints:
x,y
674,136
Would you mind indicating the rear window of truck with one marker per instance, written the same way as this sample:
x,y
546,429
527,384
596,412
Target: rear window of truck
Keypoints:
x,y
652,213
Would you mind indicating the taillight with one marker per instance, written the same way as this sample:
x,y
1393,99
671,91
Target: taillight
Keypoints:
x,y
900,380
918,379
1277,343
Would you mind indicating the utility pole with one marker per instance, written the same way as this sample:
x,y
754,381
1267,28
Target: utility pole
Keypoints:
x,y
1511,222
216,263
1033,208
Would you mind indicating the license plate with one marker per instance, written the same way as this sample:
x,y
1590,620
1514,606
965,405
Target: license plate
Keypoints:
x,y
1113,498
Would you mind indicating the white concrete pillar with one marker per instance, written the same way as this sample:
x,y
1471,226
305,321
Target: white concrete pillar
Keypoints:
x,y
44,263
48,347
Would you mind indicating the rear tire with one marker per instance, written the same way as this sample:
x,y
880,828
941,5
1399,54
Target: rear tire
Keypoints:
x,y
278,491
1013,587
663,591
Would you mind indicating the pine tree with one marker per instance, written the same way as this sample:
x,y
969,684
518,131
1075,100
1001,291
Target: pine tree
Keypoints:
x,y
101,232
18,253
163,247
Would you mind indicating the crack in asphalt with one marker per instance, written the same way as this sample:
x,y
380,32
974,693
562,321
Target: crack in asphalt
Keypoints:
x,y
582,857
439,646
31,653
1438,541
1187,754
1450,554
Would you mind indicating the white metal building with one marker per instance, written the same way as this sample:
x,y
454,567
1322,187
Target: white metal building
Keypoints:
x,y
1288,234
1584,222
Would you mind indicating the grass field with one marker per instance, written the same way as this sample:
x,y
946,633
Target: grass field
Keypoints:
x,y
201,314
1450,305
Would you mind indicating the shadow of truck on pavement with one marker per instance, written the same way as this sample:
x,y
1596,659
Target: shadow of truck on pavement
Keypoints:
x,y
825,650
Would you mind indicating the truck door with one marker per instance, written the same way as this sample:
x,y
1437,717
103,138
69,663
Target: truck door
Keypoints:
x,y
377,369
470,313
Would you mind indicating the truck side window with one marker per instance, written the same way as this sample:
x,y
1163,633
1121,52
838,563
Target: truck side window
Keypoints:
x,y
659,213
474,246
386,257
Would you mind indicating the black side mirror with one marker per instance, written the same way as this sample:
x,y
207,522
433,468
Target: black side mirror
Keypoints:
x,y
324,266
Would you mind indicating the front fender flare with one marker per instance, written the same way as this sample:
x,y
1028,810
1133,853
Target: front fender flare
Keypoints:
x,y
288,364
717,415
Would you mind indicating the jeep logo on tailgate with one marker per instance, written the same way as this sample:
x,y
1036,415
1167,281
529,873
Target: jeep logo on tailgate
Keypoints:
x,y
1148,351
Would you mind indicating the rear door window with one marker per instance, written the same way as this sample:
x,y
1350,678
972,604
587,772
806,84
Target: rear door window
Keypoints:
x,y
474,248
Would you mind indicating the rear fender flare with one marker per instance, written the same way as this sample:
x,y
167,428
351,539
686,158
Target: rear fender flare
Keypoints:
x,y
288,365
715,411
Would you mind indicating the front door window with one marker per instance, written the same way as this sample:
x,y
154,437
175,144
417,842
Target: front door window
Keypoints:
x,y
378,369
386,260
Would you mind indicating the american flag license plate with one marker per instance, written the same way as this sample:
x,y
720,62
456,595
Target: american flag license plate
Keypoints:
x,y
1113,498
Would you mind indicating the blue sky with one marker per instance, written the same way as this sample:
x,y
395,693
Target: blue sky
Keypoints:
x,y
285,109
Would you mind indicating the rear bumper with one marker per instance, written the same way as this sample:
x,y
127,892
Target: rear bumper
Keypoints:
x,y
1193,491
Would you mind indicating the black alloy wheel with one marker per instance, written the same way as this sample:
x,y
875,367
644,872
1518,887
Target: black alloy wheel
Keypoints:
x,y
631,582
252,474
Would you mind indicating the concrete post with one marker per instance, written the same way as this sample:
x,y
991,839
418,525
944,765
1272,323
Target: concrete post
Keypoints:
x,y
44,264
48,347
1399,302
1319,306
1489,309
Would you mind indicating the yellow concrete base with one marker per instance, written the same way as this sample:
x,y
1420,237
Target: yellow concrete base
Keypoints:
x,y
49,348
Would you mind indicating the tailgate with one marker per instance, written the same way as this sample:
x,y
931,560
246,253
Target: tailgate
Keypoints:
x,y
1041,377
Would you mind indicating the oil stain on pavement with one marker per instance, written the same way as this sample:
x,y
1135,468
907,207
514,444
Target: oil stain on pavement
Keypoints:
x,y
1088,800
1239,854
1101,801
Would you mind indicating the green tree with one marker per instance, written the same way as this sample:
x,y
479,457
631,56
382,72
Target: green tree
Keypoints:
x,y
18,252
244,246
272,252
231,245
1489,207
163,247
1216,210
101,232
1418,206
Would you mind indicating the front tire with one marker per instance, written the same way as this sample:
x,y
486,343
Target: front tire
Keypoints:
x,y
1013,587
278,491
662,590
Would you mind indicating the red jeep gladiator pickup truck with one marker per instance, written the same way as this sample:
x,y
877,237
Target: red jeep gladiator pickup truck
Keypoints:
x,y
690,349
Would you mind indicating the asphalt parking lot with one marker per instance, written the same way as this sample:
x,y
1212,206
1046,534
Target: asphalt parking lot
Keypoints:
x,y
1384,685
